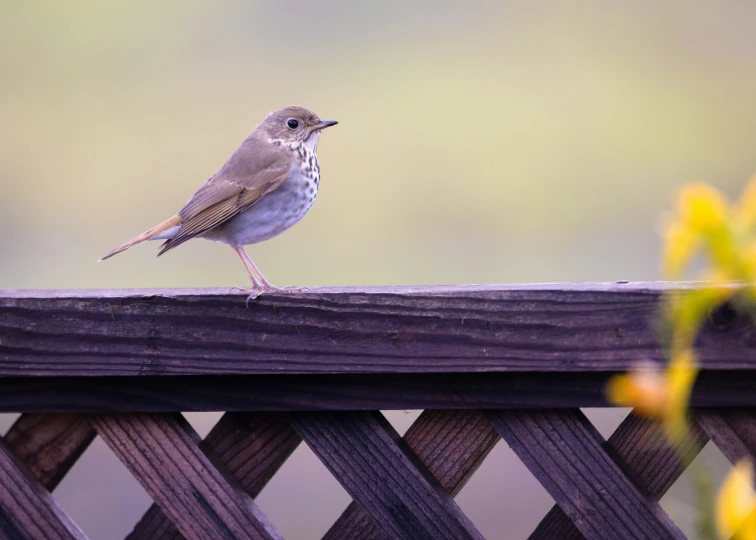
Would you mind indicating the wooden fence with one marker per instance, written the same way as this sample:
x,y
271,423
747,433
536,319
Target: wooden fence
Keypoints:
x,y
484,363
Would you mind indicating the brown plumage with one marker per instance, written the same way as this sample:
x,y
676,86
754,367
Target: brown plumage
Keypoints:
x,y
282,149
235,187
157,229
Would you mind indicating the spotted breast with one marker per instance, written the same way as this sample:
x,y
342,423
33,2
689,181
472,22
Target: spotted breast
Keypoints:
x,y
280,209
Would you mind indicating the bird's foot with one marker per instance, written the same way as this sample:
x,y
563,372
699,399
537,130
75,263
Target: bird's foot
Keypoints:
x,y
254,292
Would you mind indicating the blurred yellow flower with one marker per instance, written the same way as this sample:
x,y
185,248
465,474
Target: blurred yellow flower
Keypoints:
x,y
725,235
662,395
746,209
704,222
702,208
680,245
736,504
687,310
749,261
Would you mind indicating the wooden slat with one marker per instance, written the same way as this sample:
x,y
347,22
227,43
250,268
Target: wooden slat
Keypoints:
x,y
251,446
564,452
341,392
732,430
27,510
451,444
639,448
49,444
162,452
557,327
380,472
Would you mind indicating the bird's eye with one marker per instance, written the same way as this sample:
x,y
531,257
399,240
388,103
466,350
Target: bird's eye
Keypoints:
x,y
292,123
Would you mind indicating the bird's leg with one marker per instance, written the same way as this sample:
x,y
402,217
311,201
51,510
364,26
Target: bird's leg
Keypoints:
x,y
259,283
251,266
252,276
257,288
267,284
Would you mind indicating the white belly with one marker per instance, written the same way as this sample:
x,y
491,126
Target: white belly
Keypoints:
x,y
272,215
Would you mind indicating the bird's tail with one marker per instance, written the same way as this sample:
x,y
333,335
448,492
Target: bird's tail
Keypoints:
x,y
152,234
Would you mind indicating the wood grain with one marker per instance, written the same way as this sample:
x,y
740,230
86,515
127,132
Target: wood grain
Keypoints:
x,y
251,446
560,327
376,467
50,444
732,430
27,510
451,444
162,452
564,452
639,449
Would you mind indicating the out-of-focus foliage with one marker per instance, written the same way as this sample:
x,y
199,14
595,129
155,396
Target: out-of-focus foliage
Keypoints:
x,y
725,235
736,504
705,225
662,395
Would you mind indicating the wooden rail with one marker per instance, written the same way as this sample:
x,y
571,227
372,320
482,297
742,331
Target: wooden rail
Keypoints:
x,y
512,362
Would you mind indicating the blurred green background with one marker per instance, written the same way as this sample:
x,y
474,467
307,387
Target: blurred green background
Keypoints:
x,y
479,142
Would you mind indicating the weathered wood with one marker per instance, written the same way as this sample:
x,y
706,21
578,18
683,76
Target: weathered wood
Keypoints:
x,y
377,468
162,452
561,327
639,448
564,452
732,430
49,444
451,444
251,446
27,510
475,347
341,392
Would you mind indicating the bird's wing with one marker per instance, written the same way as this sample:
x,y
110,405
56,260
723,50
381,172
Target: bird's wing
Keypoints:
x,y
253,171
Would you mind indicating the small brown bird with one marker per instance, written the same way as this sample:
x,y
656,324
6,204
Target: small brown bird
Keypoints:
x,y
266,186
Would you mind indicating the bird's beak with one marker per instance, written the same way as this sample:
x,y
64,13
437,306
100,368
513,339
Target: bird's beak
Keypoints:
x,y
324,124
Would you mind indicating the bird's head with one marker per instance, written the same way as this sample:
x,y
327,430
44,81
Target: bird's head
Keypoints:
x,y
295,125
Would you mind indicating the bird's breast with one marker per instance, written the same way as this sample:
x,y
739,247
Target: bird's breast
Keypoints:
x,y
275,212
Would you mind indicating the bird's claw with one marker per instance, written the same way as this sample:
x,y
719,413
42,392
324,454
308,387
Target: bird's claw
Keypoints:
x,y
254,292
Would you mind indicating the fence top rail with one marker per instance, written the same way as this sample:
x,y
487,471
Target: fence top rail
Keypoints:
x,y
558,327
602,286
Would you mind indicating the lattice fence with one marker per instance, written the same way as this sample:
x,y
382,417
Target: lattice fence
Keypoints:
x,y
519,364
401,487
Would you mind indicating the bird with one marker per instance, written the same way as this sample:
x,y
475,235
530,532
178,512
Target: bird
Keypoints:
x,y
267,185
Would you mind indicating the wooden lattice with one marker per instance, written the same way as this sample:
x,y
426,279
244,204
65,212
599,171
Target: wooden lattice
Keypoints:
x,y
514,363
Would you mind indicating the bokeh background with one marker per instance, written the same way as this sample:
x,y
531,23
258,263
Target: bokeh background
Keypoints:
x,y
479,142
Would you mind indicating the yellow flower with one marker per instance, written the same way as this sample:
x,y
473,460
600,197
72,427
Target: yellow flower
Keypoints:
x,y
705,220
702,208
680,244
644,388
736,504
725,236
662,395
746,209
688,309
681,375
